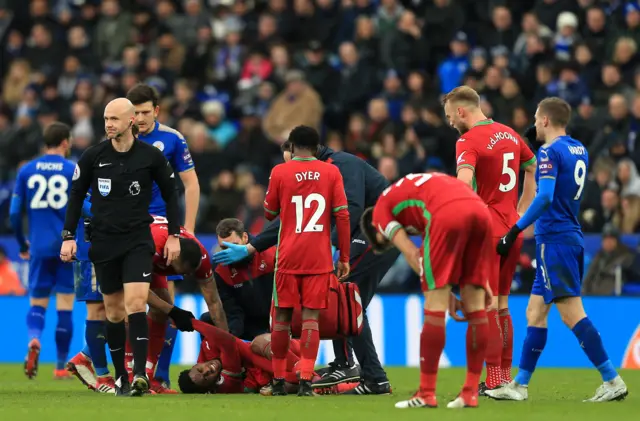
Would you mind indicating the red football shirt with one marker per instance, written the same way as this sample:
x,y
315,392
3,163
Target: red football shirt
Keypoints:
x,y
410,202
160,234
305,192
496,153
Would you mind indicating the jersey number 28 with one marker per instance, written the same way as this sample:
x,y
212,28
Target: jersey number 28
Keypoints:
x,y
50,193
305,203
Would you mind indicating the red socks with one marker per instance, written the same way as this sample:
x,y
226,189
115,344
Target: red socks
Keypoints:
x,y
432,341
280,347
477,340
157,332
494,350
309,344
507,345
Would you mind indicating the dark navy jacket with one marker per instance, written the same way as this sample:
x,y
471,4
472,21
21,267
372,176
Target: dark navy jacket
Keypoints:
x,y
362,185
245,289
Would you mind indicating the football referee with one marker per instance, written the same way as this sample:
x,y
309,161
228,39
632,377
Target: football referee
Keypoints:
x,y
122,170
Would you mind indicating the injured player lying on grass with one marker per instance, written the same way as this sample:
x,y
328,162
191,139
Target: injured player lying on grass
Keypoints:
x,y
227,364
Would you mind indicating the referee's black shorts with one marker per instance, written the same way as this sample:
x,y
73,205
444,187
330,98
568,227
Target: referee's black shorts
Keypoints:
x,y
118,264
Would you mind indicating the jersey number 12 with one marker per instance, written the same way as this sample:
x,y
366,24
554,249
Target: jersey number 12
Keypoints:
x,y
305,203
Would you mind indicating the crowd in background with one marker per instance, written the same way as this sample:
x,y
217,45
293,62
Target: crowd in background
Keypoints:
x,y
235,76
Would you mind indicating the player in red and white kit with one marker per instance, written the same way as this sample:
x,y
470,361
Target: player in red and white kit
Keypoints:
x,y
456,229
490,156
193,259
305,192
227,364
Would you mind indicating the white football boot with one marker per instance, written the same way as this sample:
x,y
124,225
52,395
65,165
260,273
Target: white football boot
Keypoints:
x,y
614,390
509,392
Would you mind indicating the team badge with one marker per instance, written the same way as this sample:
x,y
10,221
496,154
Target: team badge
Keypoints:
x,y
104,186
158,144
134,188
263,265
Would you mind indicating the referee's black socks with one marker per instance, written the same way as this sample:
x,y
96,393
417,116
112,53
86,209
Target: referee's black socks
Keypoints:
x,y
139,340
116,338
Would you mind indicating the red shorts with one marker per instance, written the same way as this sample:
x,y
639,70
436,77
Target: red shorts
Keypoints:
x,y
158,282
457,247
503,268
309,291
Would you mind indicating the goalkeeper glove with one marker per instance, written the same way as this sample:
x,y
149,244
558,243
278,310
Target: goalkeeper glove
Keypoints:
x,y
505,243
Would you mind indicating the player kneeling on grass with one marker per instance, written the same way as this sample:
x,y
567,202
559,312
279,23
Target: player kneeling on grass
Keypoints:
x,y
562,172
227,364
456,229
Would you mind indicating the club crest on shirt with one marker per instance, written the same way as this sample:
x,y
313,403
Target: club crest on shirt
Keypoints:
x,y
134,188
104,186
158,144
263,265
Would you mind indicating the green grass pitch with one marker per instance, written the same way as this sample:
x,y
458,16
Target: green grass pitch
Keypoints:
x,y
554,395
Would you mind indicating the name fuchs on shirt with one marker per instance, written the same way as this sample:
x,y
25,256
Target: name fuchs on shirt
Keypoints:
x,y
50,166
497,137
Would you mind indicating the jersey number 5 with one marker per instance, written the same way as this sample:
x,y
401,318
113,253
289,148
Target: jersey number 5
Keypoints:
x,y
55,189
579,173
301,205
506,169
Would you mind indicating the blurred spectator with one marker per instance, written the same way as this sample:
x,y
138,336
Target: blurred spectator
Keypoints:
x,y
613,136
452,69
113,31
16,82
629,178
252,211
9,281
612,261
221,131
298,104
597,207
566,35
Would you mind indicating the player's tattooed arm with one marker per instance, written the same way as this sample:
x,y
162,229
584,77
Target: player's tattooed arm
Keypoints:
x,y
212,298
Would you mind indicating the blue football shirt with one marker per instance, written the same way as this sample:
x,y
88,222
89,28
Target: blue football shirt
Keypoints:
x,y
42,187
175,149
567,161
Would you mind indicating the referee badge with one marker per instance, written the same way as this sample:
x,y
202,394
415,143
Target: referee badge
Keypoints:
x,y
134,188
104,186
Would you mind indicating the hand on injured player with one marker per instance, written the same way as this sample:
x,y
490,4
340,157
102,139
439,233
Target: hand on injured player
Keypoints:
x,y
182,319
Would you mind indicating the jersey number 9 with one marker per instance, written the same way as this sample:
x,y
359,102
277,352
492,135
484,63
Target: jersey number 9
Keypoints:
x,y
579,174
301,205
50,193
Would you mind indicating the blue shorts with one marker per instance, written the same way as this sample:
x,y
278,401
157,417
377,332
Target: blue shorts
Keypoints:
x,y
175,278
87,288
559,271
49,274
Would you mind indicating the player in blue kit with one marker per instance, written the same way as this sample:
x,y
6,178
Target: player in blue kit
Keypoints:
x,y
173,145
90,364
561,176
42,187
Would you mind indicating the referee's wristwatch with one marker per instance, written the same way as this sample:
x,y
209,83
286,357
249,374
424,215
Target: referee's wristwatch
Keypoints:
x,y
68,235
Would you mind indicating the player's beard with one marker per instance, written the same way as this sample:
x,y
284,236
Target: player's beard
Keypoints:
x,y
462,128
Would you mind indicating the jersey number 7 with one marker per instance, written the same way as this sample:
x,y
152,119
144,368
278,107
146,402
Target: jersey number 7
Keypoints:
x,y
305,203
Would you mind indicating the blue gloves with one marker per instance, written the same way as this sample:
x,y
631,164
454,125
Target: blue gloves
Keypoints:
x,y
334,254
232,254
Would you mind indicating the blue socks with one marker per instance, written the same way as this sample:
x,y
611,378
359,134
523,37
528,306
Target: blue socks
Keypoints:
x,y
532,348
95,337
591,343
162,369
64,331
35,321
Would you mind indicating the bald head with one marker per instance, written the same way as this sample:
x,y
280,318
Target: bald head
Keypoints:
x,y
118,117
